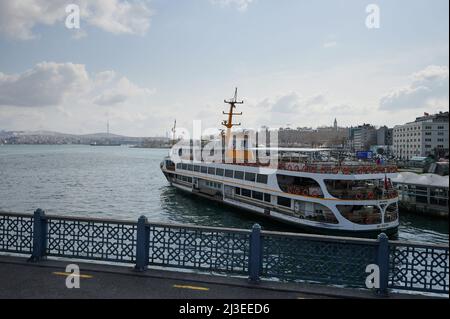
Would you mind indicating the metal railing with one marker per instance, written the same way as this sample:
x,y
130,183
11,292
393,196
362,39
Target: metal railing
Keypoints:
x,y
255,253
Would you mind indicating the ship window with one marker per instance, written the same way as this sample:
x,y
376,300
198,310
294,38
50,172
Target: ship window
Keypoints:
x,y
267,198
250,177
246,192
211,170
315,212
204,169
284,201
190,167
237,191
196,168
299,185
391,213
219,171
184,166
361,214
229,173
178,165
368,189
261,178
257,195
238,174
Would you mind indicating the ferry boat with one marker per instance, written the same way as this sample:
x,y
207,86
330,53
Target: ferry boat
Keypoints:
x,y
307,188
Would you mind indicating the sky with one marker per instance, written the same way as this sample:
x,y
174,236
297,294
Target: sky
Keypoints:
x,y
141,64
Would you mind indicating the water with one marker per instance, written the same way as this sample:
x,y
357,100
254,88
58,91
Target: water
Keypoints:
x,y
125,183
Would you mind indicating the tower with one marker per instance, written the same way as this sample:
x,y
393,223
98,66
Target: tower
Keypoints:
x,y
335,124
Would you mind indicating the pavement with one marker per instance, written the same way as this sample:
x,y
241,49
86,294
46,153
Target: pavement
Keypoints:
x,y
47,279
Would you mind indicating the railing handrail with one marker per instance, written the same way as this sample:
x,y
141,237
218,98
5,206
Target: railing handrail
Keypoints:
x,y
341,239
260,254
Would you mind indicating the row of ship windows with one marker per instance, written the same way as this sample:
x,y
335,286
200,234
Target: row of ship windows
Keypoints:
x,y
184,178
251,177
281,201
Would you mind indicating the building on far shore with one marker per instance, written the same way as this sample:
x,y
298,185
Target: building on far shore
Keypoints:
x,y
427,135
362,137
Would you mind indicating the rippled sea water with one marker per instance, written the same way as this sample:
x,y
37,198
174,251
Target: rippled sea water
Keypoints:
x,y
125,183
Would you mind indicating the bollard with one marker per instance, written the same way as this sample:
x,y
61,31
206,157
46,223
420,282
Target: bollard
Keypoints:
x,y
383,263
39,236
142,244
255,257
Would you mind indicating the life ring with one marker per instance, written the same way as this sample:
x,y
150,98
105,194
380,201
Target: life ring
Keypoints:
x,y
305,192
335,170
370,195
359,196
346,171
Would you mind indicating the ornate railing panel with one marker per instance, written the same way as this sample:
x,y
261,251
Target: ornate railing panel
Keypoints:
x,y
256,253
419,267
89,239
338,262
199,248
16,233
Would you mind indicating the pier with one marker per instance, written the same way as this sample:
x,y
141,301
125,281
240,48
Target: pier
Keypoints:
x,y
155,260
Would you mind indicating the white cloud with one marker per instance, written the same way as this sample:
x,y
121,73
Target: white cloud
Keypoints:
x,y
47,83
50,83
293,103
66,97
18,18
428,87
241,5
329,44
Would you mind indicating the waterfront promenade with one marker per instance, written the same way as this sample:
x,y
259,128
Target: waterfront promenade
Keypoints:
x,y
180,261
46,279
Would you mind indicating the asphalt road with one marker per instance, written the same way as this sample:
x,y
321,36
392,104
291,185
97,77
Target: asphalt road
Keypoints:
x,y
37,281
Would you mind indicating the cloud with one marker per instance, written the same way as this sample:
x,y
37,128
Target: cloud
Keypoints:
x,y
241,5
293,103
428,87
46,84
329,44
19,18
50,83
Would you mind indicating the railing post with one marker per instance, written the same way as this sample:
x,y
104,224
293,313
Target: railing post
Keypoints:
x,y
39,236
383,263
255,258
142,244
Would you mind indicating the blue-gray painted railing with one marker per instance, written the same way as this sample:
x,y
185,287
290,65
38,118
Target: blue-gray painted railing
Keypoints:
x,y
254,253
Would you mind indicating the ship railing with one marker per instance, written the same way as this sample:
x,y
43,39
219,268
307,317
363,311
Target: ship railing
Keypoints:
x,y
345,169
364,194
253,253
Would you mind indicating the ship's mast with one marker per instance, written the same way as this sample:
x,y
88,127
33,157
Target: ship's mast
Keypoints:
x,y
229,123
173,131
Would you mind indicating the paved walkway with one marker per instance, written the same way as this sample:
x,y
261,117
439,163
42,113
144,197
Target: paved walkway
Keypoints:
x,y
47,279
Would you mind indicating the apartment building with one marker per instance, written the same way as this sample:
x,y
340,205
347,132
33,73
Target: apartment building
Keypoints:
x,y
427,135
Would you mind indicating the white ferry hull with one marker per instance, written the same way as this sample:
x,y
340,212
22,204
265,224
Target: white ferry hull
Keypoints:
x,y
390,229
